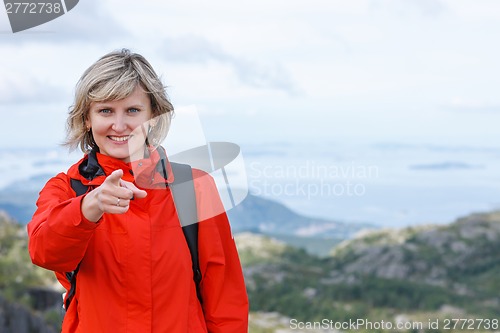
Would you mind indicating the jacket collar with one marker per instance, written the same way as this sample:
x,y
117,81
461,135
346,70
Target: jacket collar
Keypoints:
x,y
89,168
147,172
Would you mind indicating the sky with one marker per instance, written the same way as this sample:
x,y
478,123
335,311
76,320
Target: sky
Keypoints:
x,y
387,73
267,71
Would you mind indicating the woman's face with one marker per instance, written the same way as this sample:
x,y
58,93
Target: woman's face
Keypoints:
x,y
119,127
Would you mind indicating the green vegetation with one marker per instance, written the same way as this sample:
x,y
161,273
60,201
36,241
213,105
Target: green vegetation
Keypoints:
x,y
17,273
19,278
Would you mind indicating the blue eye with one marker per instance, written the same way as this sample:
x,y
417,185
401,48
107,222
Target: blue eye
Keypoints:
x,y
106,111
133,110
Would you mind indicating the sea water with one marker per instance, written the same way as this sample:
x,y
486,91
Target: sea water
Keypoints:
x,y
384,183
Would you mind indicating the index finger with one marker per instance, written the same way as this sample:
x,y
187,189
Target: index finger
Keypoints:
x,y
136,192
115,177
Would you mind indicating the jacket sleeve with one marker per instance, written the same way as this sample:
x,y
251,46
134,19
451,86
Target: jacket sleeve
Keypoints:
x,y
225,301
58,232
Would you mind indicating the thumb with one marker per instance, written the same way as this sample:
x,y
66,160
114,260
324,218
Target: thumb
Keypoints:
x,y
115,177
138,193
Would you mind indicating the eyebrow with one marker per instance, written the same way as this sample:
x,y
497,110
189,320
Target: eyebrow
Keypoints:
x,y
101,105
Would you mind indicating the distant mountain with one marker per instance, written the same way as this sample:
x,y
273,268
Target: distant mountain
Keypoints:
x,y
447,165
19,198
254,214
267,217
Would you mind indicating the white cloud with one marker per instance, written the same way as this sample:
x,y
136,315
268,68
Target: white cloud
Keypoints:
x,y
196,49
26,90
325,62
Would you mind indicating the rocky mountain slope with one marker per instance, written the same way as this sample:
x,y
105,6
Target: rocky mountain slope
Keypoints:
x,y
16,318
418,273
451,256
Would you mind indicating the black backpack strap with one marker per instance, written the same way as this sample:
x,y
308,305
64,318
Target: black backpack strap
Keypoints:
x,y
71,276
185,203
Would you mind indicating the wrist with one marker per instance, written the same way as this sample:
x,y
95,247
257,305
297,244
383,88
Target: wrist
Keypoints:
x,y
90,209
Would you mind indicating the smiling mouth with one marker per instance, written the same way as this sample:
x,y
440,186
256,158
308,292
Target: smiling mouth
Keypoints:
x,y
119,138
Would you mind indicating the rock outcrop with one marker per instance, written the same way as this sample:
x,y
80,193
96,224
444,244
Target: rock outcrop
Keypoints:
x,y
15,318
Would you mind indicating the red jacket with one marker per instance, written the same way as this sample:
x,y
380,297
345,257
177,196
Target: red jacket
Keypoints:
x,y
135,270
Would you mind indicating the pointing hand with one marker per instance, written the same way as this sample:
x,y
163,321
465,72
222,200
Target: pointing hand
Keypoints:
x,y
112,197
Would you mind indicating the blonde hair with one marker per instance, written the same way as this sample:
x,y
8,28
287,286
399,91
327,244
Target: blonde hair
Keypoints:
x,y
115,76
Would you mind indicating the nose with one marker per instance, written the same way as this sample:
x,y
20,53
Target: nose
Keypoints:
x,y
119,123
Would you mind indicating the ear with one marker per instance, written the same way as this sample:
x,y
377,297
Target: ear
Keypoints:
x,y
88,125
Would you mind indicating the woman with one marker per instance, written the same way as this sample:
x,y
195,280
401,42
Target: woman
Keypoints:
x,y
122,239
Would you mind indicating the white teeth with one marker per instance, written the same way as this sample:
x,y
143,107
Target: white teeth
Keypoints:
x,y
119,138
